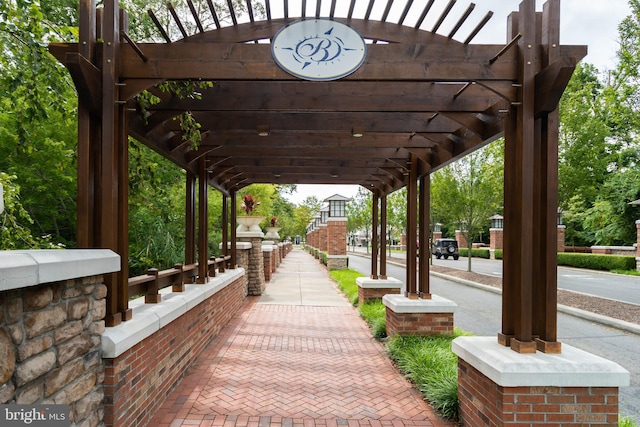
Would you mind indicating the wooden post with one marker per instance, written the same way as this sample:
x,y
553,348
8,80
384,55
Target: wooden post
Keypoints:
x,y
190,220
203,223
374,234
87,125
412,223
383,237
423,234
225,231
546,263
234,256
107,176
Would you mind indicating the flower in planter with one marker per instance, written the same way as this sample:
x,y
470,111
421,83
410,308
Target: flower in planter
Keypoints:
x,y
274,221
249,203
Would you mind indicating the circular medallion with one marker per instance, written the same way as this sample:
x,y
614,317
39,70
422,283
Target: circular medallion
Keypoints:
x,y
318,49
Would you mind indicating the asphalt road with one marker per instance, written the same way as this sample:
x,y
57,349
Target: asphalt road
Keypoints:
x,y
479,313
613,286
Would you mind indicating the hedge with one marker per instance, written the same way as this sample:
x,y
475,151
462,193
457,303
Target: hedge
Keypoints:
x,y
475,253
596,261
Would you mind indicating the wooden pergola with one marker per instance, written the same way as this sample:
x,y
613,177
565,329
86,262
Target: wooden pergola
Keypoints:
x,y
419,101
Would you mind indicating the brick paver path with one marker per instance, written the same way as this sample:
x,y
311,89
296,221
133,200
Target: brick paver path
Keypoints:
x,y
295,366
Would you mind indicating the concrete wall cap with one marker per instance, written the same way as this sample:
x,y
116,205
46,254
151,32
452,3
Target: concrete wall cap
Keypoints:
x,y
402,304
369,283
507,368
150,318
20,269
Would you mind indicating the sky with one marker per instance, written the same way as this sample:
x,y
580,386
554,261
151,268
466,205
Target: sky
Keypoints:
x,y
582,22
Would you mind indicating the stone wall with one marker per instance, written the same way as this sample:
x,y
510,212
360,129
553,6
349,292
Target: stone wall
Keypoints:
x,y
50,330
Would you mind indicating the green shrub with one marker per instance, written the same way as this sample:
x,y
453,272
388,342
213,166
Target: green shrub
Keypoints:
x,y
346,280
596,261
626,422
374,313
498,253
431,365
475,253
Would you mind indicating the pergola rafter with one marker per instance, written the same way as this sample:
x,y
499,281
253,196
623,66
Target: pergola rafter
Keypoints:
x,y
419,101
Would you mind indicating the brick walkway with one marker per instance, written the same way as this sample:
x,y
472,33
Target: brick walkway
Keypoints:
x,y
302,362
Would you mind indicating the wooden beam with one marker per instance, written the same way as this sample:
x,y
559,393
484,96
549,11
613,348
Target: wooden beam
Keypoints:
x,y
232,61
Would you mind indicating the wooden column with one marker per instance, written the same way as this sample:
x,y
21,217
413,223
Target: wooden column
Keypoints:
x,y
88,124
225,224
546,264
383,237
234,240
519,194
203,223
374,234
412,223
106,193
423,237
190,220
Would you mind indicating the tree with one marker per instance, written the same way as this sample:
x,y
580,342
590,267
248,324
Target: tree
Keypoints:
x,y
304,213
396,214
468,191
358,213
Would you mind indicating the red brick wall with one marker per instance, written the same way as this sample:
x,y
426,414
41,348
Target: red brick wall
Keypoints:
x,y
484,403
462,241
418,323
267,261
496,236
369,294
337,237
322,238
138,381
638,240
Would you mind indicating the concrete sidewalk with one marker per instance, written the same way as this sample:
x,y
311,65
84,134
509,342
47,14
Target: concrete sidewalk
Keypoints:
x,y
299,356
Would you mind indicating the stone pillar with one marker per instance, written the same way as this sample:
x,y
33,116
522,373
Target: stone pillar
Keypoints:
x,y
255,267
52,310
462,241
408,316
337,243
496,236
638,246
267,256
561,239
437,235
497,386
374,289
322,238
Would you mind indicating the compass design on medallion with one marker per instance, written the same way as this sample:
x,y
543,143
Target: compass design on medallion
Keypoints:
x,y
318,49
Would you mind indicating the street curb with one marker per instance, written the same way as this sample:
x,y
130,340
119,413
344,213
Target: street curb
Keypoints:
x,y
572,311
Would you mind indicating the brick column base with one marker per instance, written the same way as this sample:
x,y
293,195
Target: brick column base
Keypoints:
x,y
406,316
499,387
374,289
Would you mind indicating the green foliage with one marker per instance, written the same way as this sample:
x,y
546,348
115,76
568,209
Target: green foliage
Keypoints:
x,y
476,253
374,313
467,192
431,365
358,213
346,280
596,261
626,422
15,220
498,253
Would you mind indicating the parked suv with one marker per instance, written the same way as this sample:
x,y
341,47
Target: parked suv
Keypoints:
x,y
446,248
